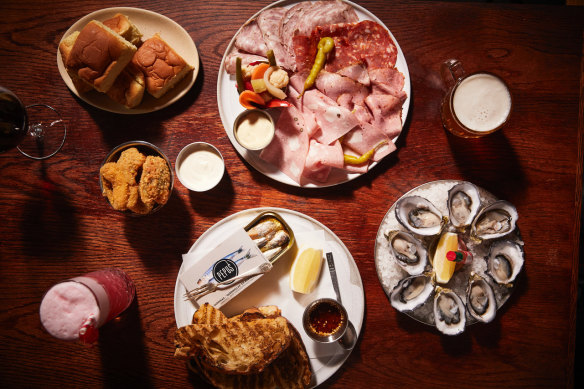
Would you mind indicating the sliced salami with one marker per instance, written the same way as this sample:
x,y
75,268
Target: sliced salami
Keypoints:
x,y
250,40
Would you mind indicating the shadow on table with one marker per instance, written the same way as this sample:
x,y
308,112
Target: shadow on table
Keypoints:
x,y
214,201
490,162
158,237
50,225
123,353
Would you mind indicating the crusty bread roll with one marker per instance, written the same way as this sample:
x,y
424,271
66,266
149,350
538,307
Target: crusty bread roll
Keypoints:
x,y
99,55
122,25
65,49
129,87
162,66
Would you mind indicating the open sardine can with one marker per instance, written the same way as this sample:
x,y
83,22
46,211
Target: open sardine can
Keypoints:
x,y
266,216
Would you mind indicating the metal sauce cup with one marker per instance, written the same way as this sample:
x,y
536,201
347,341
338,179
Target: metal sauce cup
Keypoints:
x,y
250,118
325,320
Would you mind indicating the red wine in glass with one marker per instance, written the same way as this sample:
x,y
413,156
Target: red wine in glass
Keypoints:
x,y
37,130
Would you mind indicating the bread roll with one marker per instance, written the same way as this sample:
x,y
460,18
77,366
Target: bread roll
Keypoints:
x,y
128,89
123,26
65,49
162,66
99,55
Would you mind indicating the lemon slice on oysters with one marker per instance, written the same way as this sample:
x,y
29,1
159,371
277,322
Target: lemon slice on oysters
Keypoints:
x,y
443,268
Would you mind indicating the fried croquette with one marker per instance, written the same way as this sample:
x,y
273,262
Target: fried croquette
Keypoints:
x,y
155,181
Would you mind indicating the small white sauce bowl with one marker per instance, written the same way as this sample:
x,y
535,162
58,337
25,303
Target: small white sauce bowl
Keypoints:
x,y
245,114
215,175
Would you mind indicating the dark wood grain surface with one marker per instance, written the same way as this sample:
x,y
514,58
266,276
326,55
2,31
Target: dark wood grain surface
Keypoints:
x,y
55,224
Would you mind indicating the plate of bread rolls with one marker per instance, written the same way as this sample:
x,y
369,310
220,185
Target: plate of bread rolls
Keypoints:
x,y
128,60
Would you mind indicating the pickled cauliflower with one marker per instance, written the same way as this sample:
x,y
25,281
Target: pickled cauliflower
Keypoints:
x,y
279,78
246,71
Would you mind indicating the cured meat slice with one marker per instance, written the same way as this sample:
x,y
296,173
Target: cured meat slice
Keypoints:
x,y
334,121
366,42
289,148
387,81
303,17
321,158
246,59
269,24
357,72
364,138
334,86
310,124
386,111
250,40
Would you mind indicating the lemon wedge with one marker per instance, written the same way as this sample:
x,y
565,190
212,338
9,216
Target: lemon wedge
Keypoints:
x,y
306,271
443,268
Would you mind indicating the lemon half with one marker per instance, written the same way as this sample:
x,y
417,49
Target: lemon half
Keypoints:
x,y
443,268
306,271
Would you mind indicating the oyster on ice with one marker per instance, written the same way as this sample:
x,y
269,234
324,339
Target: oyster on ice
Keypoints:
x,y
480,299
463,204
495,220
408,251
449,312
411,292
419,215
505,261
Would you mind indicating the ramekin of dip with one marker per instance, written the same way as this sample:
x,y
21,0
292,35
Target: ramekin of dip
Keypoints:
x,y
254,129
199,166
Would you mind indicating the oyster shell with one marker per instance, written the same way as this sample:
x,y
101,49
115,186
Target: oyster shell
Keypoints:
x,y
408,251
411,292
419,215
505,261
449,312
480,299
463,203
495,220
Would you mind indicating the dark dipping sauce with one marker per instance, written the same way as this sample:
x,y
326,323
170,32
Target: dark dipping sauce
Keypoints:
x,y
325,318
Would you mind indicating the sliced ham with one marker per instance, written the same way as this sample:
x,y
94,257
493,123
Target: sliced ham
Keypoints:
x,y
357,72
321,158
386,111
289,148
334,86
334,121
269,25
310,124
323,13
250,40
387,81
246,59
364,138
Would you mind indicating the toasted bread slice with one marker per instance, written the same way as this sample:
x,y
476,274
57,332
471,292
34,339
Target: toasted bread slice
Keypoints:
x,y
208,314
236,347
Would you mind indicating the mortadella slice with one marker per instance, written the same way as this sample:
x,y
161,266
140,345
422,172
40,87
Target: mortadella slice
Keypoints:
x,y
289,148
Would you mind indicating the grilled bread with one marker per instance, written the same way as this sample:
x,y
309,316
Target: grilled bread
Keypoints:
x,y
237,347
290,370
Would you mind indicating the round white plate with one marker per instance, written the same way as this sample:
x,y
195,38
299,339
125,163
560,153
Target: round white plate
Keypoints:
x,y
229,106
273,288
149,23
390,273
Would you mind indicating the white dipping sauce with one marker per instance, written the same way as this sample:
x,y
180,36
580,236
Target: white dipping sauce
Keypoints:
x,y
482,102
254,131
201,170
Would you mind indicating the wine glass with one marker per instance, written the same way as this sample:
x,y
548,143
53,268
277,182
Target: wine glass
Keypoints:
x,y
37,130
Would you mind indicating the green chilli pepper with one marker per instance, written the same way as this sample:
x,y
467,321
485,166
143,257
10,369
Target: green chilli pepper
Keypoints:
x,y
271,58
325,46
239,76
352,160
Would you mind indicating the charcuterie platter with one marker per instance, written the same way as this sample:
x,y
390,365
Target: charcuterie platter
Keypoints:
x,y
370,122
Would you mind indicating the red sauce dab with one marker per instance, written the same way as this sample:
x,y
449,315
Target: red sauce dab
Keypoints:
x,y
325,319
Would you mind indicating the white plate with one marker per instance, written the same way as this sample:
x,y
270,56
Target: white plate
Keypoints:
x,y
273,288
229,106
149,23
390,273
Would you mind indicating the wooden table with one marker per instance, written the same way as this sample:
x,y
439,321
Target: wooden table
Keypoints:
x,y
55,223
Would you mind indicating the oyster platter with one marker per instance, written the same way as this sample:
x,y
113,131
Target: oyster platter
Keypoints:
x,y
455,218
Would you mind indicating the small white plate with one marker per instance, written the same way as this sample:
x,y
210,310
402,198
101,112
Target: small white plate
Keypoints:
x,y
149,23
273,288
229,107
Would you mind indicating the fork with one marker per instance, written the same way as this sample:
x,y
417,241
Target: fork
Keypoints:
x,y
211,287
